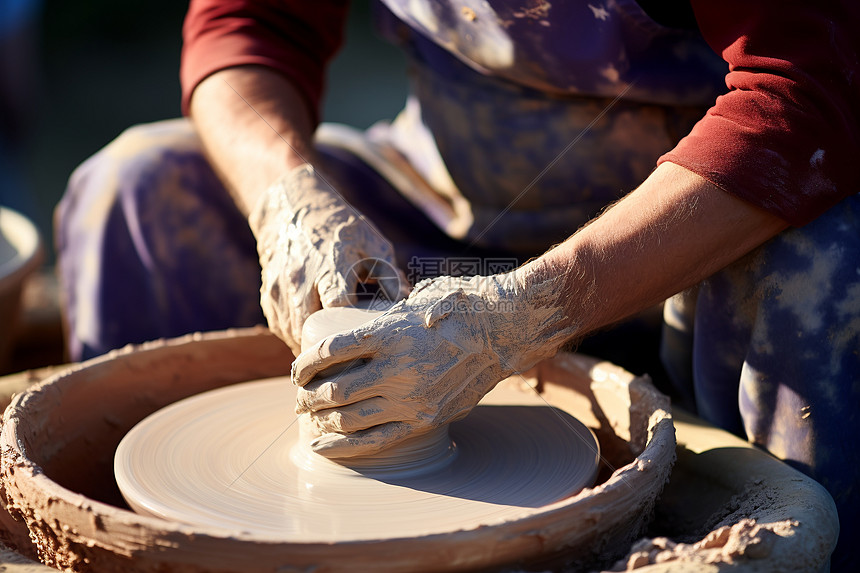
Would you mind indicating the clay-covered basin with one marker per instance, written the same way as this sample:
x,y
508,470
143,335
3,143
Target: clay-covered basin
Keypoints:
x,y
59,438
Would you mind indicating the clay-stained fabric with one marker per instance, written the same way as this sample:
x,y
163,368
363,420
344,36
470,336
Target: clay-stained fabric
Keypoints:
x,y
575,48
150,245
542,114
769,348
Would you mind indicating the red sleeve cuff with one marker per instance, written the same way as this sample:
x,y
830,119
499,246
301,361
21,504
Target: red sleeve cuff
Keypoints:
x,y
292,37
785,137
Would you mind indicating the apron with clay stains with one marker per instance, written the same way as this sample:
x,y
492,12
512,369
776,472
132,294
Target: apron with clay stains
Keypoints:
x,y
536,115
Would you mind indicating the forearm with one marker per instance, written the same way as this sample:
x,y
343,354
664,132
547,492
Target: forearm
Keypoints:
x,y
672,232
255,126
430,358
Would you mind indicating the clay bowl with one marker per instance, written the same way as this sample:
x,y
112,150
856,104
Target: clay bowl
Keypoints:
x,y
20,255
58,442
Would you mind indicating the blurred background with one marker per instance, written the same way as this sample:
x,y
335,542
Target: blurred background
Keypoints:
x,y
74,75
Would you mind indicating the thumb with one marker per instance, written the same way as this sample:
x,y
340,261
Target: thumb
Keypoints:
x,y
337,289
362,443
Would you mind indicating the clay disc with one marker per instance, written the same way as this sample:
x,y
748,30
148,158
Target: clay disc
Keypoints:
x,y
230,458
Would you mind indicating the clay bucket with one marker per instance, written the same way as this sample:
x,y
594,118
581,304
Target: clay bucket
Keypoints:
x,y
58,441
20,255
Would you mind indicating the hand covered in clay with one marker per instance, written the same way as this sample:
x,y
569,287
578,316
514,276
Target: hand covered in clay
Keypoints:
x,y
314,248
426,362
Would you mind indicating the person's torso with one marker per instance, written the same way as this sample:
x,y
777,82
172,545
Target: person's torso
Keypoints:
x,y
545,112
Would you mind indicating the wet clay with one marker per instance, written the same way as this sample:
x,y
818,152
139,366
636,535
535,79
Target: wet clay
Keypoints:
x,y
427,361
68,511
743,542
730,505
231,459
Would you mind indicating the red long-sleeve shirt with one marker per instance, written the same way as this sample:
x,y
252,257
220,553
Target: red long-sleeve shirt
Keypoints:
x,y
784,137
295,38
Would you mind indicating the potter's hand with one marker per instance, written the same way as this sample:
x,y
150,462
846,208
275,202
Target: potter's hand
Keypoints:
x,y
426,362
314,248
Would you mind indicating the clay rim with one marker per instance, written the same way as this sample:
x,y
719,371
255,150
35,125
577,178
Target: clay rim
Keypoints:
x,y
17,467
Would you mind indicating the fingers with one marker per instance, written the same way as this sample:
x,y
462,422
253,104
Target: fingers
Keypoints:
x,y
353,385
338,283
336,349
337,289
353,417
362,443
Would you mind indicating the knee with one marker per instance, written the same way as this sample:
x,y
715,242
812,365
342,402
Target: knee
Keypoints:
x,y
128,165
153,140
139,151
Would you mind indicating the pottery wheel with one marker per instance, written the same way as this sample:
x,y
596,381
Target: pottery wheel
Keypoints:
x,y
232,458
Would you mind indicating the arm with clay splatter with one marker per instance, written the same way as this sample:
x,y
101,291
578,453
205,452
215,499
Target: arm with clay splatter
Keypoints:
x,y
430,359
252,77
671,233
